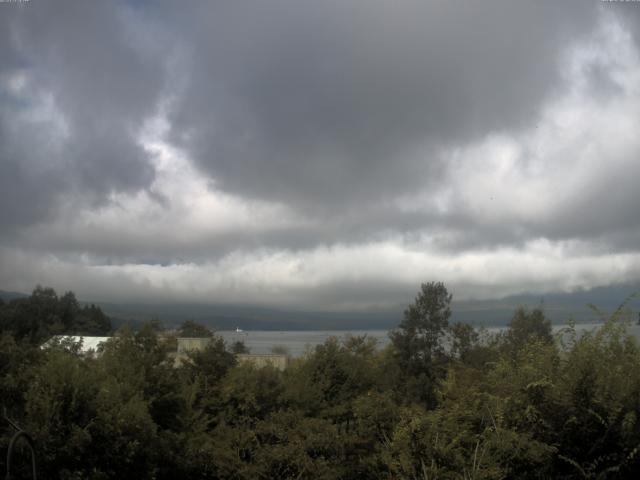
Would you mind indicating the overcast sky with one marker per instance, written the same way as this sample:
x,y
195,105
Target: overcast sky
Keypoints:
x,y
318,154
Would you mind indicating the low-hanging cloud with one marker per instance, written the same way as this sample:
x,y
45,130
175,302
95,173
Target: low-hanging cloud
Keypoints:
x,y
321,154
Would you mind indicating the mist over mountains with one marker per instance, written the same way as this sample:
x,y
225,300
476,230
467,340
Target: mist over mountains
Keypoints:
x,y
559,307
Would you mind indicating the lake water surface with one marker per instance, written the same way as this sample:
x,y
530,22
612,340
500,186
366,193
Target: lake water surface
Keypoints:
x,y
297,342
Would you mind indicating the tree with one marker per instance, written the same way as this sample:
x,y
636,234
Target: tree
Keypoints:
x,y
251,393
526,326
87,423
238,347
463,339
281,350
418,341
425,322
192,329
43,314
90,320
210,364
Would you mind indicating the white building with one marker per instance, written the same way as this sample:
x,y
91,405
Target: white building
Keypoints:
x,y
87,345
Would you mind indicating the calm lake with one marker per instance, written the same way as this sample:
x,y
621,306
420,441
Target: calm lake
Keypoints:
x,y
298,342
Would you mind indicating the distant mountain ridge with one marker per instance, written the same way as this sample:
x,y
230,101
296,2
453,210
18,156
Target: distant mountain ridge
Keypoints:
x,y
559,307
229,317
8,296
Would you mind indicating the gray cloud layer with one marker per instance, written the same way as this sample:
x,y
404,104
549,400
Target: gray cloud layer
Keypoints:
x,y
217,133
81,89
330,104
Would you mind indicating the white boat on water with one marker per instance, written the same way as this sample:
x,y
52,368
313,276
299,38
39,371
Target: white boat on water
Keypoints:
x,y
239,330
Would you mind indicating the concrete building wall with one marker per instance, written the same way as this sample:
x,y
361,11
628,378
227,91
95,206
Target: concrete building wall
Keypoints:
x,y
186,344
259,361
189,344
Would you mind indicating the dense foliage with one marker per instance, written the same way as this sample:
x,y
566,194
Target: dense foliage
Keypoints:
x,y
44,313
442,401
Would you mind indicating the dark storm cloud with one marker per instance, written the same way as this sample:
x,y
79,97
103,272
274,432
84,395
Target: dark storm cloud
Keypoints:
x,y
350,148
323,104
326,106
80,61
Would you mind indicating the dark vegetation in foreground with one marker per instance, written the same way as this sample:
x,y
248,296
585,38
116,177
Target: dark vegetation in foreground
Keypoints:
x,y
521,404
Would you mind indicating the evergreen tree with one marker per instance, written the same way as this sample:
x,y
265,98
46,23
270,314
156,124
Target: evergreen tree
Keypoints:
x,y
418,342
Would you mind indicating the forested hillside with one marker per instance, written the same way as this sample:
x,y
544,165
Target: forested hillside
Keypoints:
x,y
441,401
43,314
